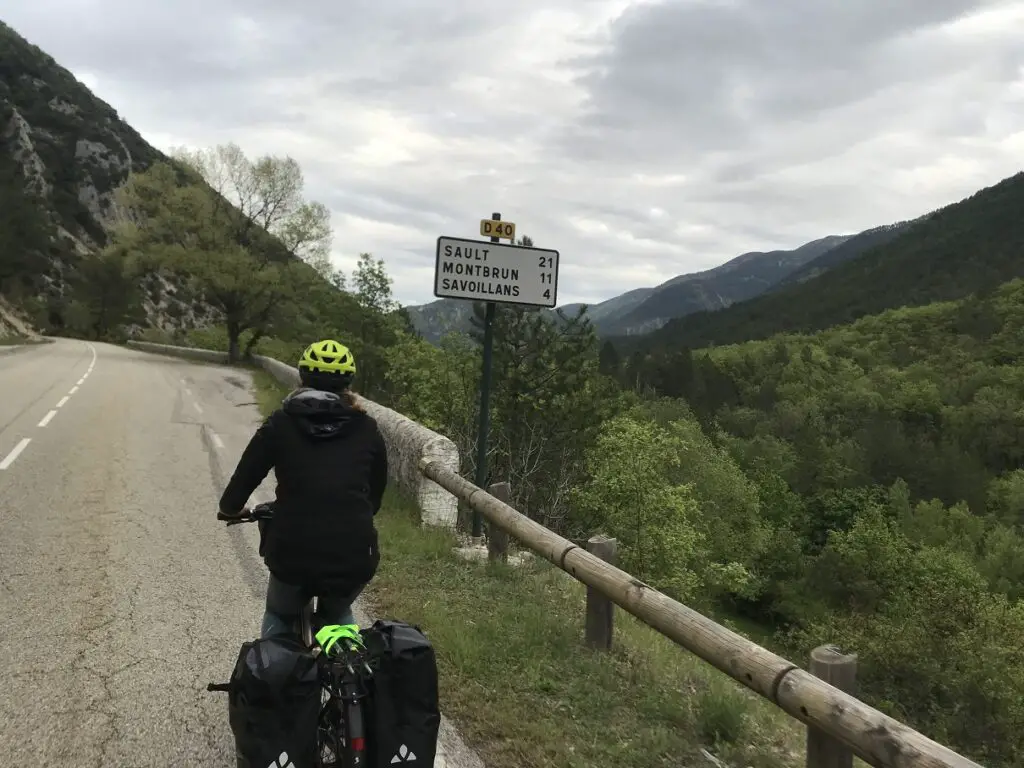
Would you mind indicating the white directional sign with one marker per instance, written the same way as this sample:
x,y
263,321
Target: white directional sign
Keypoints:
x,y
484,271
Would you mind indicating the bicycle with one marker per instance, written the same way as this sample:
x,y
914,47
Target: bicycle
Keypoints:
x,y
346,667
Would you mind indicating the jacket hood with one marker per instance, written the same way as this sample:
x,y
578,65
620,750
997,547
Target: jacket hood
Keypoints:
x,y
319,414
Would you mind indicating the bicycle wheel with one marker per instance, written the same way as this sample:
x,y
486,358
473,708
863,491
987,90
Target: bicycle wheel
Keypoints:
x,y
333,729
330,735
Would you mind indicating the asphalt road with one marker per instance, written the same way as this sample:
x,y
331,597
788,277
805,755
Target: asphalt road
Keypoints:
x,y
121,595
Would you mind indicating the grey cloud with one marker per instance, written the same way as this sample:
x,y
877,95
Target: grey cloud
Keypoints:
x,y
379,202
700,77
751,124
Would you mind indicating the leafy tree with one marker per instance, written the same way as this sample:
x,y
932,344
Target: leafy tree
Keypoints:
x,y
1006,498
184,228
547,403
267,192
632,497
106,292
437,385
377,326
608,360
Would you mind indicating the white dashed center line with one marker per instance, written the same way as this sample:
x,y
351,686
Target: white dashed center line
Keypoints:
x,y
198,407
216,440
15,453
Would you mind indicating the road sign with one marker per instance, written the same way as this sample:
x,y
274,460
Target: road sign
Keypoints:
x,y
506,230
485,271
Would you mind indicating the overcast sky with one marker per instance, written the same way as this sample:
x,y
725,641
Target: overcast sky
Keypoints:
x,y
641,139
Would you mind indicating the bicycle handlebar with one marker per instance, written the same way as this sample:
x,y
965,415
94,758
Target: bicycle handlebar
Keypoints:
x,y
263,511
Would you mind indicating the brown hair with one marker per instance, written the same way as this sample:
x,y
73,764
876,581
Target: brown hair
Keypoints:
x,y
352,400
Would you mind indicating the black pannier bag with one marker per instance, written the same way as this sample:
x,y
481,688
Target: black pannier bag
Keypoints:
x,y
402,712
274,704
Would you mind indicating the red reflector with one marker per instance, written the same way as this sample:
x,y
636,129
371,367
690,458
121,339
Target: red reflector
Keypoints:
x,y
358,745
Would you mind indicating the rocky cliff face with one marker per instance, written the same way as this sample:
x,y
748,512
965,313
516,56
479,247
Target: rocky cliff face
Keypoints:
x,y
64,152
12,325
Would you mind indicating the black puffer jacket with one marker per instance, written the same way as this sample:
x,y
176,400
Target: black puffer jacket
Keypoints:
x,y
331,467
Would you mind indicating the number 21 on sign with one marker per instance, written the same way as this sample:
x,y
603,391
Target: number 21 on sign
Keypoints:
x,y
506,230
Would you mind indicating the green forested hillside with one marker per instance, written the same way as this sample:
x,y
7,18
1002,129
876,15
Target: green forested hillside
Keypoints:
x,y
888,457
973,245
850,249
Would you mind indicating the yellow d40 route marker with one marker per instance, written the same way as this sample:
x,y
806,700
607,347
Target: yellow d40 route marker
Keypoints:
x,y
505,230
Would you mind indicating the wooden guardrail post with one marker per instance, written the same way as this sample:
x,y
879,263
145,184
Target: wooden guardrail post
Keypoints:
x,y
840,670
600,610
497,539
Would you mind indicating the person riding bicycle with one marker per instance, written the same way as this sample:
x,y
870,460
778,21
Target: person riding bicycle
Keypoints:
x,y
331,466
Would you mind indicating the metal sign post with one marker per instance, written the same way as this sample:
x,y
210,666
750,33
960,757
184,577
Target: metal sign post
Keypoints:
x,y
487,271
484,425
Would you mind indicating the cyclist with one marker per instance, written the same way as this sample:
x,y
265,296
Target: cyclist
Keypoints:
x,y
331,467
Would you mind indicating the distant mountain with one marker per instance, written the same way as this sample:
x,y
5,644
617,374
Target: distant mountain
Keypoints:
x,y
613,307
741,278
438,318
645,309
967,247
435,320
852,248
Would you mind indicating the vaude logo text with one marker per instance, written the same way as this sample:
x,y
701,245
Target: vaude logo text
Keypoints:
x,y
282,762
403,756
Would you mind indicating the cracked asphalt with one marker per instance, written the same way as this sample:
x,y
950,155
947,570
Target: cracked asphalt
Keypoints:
x,y
121,595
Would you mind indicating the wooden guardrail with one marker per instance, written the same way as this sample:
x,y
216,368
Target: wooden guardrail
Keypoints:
x,y
832,715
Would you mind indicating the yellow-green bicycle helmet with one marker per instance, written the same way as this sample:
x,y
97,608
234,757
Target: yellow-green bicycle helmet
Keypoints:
x,y
327,364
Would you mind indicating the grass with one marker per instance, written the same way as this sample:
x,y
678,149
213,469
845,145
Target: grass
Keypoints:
x,y
523,689
269,391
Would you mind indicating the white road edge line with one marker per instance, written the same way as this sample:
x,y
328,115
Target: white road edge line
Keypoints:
x,y
46,419
216,440
63,401
15,453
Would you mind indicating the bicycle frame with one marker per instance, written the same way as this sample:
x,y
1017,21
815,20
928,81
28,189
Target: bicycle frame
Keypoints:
x,y
341,681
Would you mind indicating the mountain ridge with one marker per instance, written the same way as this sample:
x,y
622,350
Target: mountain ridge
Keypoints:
x,y
748,273
969,246
742,277
642,310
